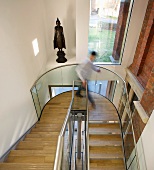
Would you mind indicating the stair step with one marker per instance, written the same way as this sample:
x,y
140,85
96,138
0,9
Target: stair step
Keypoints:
x,y
105,155
107,162
26,166
54,115
30,159
37,145
52,135
41,139
104,125
44,133
100,166
32,152
46,129
47,125
105,149
51,120
107,130
105,143
105,137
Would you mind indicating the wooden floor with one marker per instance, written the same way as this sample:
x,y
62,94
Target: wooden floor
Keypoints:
x,y
37,151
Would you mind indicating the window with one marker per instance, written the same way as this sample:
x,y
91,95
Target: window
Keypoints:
x,y
108,21
35,47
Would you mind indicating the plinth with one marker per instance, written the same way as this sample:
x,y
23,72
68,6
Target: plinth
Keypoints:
x,y
61,57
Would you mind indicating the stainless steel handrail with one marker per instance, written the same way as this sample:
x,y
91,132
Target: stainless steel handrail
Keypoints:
x,y
58,157
87,133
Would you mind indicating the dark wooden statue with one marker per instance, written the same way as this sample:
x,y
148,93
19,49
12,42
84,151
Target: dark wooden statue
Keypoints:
x,y
59,42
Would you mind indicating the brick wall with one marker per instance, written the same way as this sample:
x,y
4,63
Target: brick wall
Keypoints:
x,y
143,66
147,100
143,59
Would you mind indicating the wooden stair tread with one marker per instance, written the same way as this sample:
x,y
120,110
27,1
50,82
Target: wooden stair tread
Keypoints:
x,y
95,166
47,125
104,125
51,135
32,152
108,161
41,138
104,131
105,143
106,156
105,137
37,145
105,149
26,166
31,159
45,129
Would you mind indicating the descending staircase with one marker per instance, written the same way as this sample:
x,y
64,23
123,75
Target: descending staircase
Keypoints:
x,y
37,151
105,144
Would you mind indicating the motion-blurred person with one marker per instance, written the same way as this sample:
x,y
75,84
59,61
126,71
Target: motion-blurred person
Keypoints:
x,y
84,71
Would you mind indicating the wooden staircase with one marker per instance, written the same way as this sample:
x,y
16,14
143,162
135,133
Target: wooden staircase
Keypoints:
x,y
37,151
105,143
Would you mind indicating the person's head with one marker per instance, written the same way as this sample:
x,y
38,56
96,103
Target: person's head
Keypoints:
x,y
93,55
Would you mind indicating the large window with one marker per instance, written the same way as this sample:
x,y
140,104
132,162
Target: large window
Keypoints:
x,y
107,26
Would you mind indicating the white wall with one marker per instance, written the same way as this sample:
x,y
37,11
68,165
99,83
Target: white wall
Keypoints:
x,y
21,22
145,147
82,29
66,12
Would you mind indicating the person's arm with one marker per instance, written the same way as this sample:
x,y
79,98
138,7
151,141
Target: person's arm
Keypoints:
x,y
97,69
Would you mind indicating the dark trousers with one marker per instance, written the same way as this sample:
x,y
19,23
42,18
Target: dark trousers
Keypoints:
x,y
89,95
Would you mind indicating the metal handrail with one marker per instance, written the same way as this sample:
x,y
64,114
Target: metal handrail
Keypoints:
x,y
58,156
87,133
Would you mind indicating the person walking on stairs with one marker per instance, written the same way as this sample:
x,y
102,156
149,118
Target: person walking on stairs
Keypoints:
x,y
84,71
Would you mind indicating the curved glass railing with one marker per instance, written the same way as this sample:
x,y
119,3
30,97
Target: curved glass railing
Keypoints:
x,y
106,83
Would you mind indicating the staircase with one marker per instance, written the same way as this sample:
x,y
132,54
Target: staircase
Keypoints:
x,y
105,143
37,151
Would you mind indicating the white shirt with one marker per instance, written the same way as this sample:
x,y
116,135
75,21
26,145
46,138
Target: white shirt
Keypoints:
x,y
84,70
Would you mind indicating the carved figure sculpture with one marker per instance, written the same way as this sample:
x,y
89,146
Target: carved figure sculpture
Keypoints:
x,y
59,40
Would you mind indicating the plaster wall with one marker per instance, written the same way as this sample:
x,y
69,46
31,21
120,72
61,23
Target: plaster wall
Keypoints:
x,y
21,22
145,148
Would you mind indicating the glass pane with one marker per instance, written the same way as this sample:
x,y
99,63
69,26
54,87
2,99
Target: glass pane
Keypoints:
x,y
108,20
54,77
68,145
36,101
42,91
79,103
69,74
129,146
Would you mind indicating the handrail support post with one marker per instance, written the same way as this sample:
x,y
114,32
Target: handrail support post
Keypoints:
x,y
79,115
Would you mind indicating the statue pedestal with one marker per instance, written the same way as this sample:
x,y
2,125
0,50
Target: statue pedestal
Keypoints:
x,y
61,57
